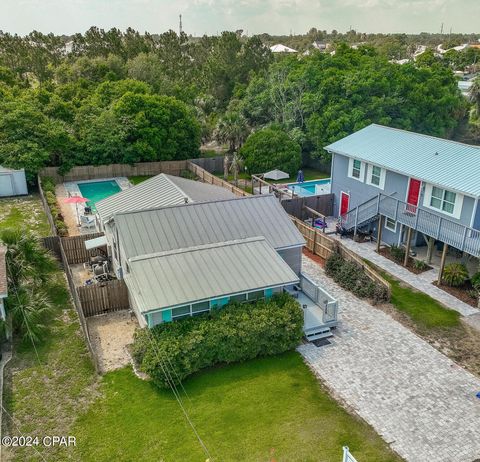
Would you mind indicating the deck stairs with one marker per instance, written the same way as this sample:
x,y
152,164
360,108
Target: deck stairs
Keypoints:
x,y
431,224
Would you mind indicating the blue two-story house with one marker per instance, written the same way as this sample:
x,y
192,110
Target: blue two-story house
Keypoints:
x,y
406,181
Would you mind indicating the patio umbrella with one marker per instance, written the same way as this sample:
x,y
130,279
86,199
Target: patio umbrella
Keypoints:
x,y
75,200
276,175
300,177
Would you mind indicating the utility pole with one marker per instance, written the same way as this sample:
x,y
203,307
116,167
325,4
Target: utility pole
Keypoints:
x,y
180,26
441,29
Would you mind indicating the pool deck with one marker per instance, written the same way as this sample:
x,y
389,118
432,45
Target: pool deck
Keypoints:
x,y
69,211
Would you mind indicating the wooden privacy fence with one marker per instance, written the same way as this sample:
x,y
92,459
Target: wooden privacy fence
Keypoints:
x,y
103,297
207,177
304,207
88,172
73,247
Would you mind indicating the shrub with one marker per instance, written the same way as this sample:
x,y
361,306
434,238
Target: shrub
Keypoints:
x,y
397,253
455,274
351,277
237,332
476,281
420,265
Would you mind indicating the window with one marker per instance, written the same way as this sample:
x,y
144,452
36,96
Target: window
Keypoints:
x,y
238,298
391,224
443,200
258,295
356,168
376,175
200,307
181,312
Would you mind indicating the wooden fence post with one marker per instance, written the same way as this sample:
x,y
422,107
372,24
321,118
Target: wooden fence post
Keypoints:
x,y
407,249
379,232
442,263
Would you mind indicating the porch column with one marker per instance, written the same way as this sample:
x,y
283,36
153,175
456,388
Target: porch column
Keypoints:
x,y
442,263
430,245
407,247
379,232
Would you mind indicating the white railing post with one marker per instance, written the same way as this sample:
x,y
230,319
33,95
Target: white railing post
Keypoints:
x,y
396,208
378,204
356,221
439,226
464,237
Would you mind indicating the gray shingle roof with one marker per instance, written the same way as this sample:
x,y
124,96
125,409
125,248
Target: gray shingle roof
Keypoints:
x,y
442,162
169,228
201,273
160,191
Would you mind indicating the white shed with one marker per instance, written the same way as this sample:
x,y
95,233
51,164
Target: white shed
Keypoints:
x,y
12,182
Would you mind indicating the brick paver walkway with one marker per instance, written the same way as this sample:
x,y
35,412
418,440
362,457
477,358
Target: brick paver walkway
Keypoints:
x,y
422,281
421,402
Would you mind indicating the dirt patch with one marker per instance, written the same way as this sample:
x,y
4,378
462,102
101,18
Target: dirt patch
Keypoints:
x,y
385,252
111,334
319,260
461,343
463,293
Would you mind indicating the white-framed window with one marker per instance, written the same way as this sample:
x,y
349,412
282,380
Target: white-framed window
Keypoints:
x,y
376,176
443,200
391,224
356,169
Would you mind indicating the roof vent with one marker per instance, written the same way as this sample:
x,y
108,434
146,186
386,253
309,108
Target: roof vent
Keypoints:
x,y
436,153
185,199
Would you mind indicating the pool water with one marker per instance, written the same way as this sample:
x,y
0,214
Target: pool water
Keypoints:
x,y
308,188
95,191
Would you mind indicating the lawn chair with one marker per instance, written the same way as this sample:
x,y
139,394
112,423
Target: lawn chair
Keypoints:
x,y
87,222
100,272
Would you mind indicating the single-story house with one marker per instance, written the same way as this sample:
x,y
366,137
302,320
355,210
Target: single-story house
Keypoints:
x,y
12,182
3,281
405,184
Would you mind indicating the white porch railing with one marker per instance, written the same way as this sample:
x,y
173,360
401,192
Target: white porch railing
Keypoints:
x,y
321,297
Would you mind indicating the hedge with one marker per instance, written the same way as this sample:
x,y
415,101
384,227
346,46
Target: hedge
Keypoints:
x,y
237,332
48,187
351,277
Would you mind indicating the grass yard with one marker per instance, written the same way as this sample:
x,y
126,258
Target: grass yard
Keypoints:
x,y
24,212
138,179
420,307
260,410
309,174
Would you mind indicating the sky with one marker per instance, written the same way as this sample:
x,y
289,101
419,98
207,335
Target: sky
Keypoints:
x,y
253,16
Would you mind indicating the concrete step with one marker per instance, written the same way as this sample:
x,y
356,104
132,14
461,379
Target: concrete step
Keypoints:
x,y
322,332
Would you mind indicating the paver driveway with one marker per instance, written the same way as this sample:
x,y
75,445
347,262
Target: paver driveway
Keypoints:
x,y
415,397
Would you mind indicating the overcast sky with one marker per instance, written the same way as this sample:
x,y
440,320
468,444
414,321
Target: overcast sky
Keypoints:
x,y
254,16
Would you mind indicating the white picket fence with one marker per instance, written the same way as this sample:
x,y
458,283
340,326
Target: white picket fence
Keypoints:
x,y
347,457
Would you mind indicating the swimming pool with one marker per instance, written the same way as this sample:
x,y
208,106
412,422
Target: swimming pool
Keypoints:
x,y
95,191
311,188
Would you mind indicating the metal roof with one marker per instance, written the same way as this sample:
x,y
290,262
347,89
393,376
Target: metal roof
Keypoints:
x,y
446,163
201,273
176,227
160,191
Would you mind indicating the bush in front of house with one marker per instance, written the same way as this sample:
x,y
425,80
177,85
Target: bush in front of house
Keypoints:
x,y
351,277
397,253
237,332
48,187
455,274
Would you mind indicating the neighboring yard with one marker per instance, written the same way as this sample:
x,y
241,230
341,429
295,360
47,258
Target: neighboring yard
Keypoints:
x,y
138,179
24,212
260,410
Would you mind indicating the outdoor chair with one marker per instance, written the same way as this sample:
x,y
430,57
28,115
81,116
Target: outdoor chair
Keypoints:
x,y
100,272
87,222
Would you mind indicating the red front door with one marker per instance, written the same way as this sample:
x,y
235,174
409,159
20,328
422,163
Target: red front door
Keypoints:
x,y
344,201
413,195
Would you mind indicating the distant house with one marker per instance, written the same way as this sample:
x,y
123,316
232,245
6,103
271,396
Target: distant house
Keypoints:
x,y
12,182
426,184
3,281
279,48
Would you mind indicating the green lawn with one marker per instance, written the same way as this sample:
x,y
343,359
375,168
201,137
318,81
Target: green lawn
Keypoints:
x,y
254,411
138,179
420,307
24,212
309,174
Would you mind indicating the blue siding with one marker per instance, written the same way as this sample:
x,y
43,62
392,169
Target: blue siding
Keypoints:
x,y
396,185
268,293
166,315
219,302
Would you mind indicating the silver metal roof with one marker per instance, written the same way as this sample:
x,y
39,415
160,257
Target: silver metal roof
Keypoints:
x,y
183,276
176,227
446,163
160,191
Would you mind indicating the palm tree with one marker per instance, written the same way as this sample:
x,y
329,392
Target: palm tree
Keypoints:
x,y
29,267
232,129
235,166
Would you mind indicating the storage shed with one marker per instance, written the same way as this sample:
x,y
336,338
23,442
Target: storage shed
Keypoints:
x,y
12,182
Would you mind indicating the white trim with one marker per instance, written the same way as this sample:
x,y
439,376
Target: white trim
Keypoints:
x,y
362,170
457,208
383,174
394,229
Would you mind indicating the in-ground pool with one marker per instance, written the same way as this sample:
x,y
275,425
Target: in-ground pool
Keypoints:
x,y
95,191
311,188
